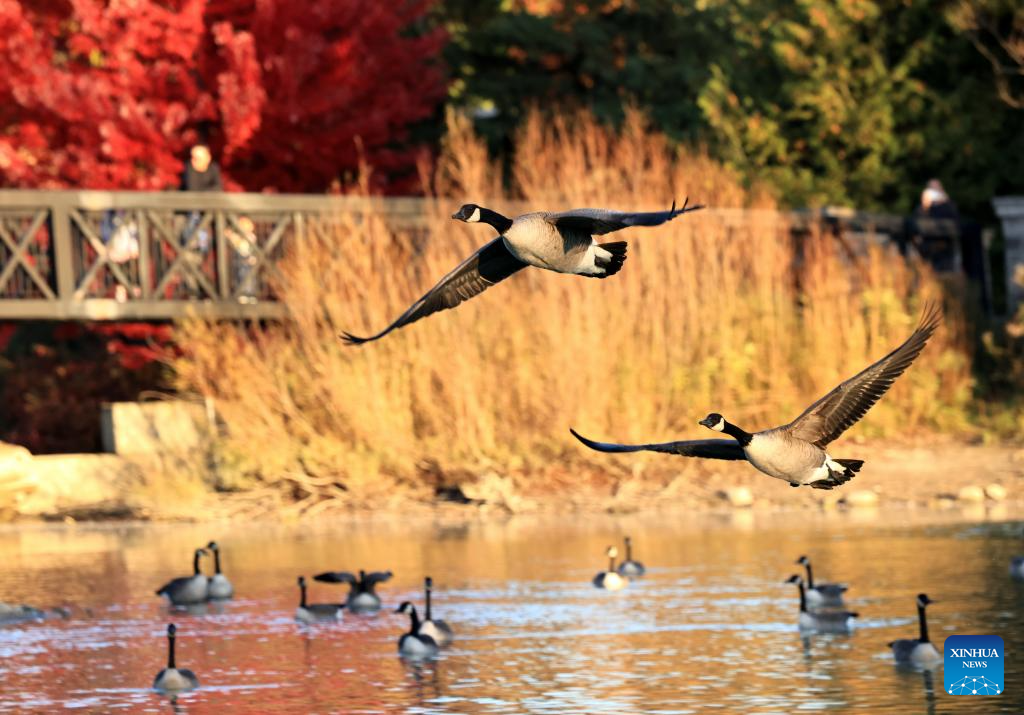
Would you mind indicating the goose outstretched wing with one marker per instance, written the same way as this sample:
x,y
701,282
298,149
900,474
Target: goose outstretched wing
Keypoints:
x,y
491,264
834,413
375,577
705,448
595,222
335,577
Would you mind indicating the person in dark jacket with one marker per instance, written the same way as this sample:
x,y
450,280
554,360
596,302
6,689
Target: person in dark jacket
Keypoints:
x,y
201,174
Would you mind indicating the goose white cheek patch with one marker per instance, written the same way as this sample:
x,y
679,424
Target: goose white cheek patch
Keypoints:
x,y
719,426
475,216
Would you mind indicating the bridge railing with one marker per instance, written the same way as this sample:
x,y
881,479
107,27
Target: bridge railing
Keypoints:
x,y
123,255
154,255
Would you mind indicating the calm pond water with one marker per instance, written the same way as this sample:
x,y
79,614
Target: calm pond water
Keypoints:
x,y
710,628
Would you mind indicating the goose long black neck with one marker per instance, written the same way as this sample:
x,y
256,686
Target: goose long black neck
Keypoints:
x,y
629,549
733,431
429,583
495,219
922,619
611,563
302,593
170,648
216,560
810,575
803,597
414,620
195,563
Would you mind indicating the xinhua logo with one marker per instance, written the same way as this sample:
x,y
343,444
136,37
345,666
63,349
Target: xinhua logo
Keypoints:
x,y
973,665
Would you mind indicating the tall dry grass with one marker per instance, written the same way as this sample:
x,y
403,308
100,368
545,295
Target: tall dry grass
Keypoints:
x,y
719,310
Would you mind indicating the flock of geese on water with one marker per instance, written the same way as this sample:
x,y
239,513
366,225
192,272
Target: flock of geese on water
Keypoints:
x,y
822,609
794,452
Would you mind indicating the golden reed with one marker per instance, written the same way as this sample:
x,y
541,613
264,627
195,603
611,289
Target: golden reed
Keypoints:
x,y
720,310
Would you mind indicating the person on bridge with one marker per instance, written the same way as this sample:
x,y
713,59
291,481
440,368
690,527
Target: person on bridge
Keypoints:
x,y
201,173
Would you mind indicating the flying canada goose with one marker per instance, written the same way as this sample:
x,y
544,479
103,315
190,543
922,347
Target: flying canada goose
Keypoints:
x,y
560,242
821,621
795,452
361,595
173,679
220,587
610,580
314,612
917,651
629,567
187,590
437,629
822,594
415,644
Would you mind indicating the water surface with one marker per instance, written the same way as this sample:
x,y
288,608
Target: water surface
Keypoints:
x,y
711,628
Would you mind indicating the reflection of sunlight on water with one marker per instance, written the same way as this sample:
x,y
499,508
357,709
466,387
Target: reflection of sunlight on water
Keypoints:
x,y
711,626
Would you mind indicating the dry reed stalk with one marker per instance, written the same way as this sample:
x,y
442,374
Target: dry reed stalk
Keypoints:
x,y
718,311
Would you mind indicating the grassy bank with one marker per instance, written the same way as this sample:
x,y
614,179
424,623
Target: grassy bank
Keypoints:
x,y
716,311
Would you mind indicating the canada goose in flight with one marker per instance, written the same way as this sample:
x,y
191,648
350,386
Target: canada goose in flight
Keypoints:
x,y
560,242
361,595
795,452
610,580
173,679
220,587
822,594
629,567
314,612
437,629
917,651
187,590
415,644
821,621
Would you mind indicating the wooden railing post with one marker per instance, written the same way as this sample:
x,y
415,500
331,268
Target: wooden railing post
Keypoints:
x,y
63,253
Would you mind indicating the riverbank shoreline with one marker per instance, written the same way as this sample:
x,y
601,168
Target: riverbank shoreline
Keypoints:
x,y
939,478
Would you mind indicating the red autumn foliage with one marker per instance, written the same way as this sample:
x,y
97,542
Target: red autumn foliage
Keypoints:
x,y
109,94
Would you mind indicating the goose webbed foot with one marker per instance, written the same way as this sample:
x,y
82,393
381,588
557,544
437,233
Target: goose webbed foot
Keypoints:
x,y
794,484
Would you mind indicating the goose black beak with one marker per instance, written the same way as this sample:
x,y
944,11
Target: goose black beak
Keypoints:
x,y
706,422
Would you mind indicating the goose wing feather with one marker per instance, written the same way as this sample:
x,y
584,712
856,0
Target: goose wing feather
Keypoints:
x,y
596,222
491,264
375,577
833,414
335,577
705,448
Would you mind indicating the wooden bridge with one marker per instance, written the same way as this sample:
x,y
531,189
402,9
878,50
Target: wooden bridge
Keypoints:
x,y
125,255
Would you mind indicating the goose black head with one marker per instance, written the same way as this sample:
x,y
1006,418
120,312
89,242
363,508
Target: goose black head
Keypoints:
x,y
406,605
212,546
171,630
714,421
803,560
612,552
794,579
923,600
470,213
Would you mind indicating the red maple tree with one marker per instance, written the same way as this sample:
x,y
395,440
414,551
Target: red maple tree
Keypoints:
x,y
109,94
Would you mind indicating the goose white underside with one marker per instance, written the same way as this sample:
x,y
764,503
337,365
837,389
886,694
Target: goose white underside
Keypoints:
x,y
305,615
610,581
175,680
797,463
922,655
823,623
220,587
364,602
413,647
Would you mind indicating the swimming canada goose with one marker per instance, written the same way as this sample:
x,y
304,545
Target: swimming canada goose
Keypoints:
x,y
437,629
629,567
821,621
795,452
361,594
610,580
917,651
822,594
560,242
414,643
314,612
220,587
173,679
187,590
